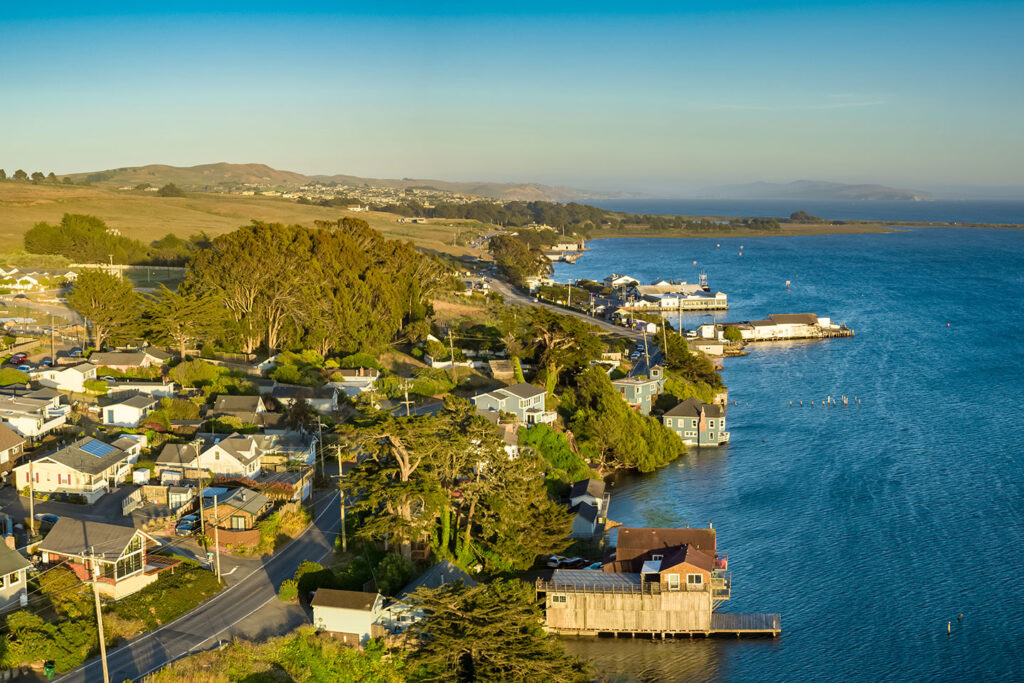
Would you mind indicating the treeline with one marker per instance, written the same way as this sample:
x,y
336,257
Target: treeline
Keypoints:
x,y
517,260
580,217
659,223
87,239
337,288
36,177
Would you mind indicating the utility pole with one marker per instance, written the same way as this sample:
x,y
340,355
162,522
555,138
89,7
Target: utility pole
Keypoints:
x,y
451,348
405,388
664,339
31,498
202,515
647,354
320,445
53,357
99,613
216,534
341,495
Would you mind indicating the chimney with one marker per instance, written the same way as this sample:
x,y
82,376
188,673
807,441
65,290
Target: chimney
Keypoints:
x,y
9,540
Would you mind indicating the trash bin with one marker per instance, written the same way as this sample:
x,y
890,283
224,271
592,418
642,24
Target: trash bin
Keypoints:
x,y
50,669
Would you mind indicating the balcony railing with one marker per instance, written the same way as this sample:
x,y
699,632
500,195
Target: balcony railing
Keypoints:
x,y
721,585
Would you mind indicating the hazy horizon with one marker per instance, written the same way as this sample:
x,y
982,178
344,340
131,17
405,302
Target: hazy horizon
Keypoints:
x,y
664,101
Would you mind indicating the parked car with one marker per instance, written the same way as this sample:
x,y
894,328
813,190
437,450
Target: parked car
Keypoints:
x,y
46,362
573,563
635,355
555,561
76,352
46,518
108,379
17,359
25,368
187,525
595,565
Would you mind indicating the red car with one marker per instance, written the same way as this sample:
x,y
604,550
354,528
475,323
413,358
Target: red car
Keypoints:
x,y
18,358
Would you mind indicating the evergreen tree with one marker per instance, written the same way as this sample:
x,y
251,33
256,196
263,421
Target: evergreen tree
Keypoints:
x,y
490,632
20,175
109,302
174,318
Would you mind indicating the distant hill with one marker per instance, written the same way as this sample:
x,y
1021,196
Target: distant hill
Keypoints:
x,y
813,190
212,176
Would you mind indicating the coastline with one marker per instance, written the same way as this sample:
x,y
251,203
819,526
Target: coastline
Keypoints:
x,y
797,230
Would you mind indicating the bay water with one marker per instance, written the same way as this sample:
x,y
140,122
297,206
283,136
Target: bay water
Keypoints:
x,y
867,527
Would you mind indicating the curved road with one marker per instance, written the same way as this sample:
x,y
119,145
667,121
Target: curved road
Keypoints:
x,y
514,297
222,616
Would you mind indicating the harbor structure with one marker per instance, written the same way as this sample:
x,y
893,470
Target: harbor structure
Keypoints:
x,y
697,423
659,583
672,296
566,252
778,327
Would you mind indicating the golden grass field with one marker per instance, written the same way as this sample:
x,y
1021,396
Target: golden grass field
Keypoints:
x,y
146,217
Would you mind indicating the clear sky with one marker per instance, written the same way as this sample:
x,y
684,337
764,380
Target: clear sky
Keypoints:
x,y
644,97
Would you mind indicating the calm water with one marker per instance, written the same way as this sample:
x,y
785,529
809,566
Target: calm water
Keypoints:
x,y
935,211
869,527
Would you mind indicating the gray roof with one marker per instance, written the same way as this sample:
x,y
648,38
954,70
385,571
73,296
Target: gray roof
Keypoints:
x,y
330,597
691,408
177,454
88,455
77,537
11,560
794,318
108,358
140,401
594,578
441,574
247,405
239,448
244,500
586,511
523,390
593,487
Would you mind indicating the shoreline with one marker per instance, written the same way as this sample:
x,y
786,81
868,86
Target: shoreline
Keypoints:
x,y
815,229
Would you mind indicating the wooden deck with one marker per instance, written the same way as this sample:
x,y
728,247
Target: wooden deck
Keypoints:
x,y
739,624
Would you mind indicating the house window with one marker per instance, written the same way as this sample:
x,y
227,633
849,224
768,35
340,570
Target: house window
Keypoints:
x,y
673,582
558,599
657,558
238,522
711,424
695,580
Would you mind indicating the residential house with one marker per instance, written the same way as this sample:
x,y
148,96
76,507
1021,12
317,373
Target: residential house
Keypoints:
x,y
697,423
298,480
712,347
124,361
12,445
66,377
590,491
660,581
351,616
157,388
88,467
244,408
13,577
117,553
129,412
585,521
675,296
321,399
641,393
31,414
239,510
287,446
235,455
615,281
523,400
399,612
509,430
355,380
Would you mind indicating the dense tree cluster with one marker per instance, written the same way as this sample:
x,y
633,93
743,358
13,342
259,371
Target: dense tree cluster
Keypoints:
x,y
448,480
517,260
339,287
580,217
87,239
36,177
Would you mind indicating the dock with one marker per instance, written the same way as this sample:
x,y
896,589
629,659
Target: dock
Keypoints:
x,y
746,624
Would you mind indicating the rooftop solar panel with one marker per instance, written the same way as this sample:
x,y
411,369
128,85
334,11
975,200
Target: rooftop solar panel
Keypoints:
x,y
97,448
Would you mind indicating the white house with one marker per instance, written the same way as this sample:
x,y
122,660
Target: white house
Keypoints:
x,y
129,411
356,380
88,468
66,377
13,577
157,388
234,455
322,399
350,615
30,415
590,491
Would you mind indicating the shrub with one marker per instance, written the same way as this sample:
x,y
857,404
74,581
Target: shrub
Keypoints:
x,y
733,334
96,386
289,590
360,360
171,596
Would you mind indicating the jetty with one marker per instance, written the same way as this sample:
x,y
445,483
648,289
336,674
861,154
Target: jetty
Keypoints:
x,y
778,327
566,252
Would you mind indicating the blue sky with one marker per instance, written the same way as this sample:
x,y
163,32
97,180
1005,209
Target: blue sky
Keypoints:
x,y
655,98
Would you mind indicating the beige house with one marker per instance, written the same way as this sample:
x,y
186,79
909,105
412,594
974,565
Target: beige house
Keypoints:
x,y
66,377
117,552
234,455
350,615
88,467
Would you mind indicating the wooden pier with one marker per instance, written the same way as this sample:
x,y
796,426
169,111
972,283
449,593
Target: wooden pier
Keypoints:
x,y
746,624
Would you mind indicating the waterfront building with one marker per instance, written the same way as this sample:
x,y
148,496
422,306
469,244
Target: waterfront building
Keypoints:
x,y
658,582
697,423
778,327
641,392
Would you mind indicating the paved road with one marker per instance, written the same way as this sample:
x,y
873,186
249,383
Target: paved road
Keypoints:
x,y
234,612
641,366
514,297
